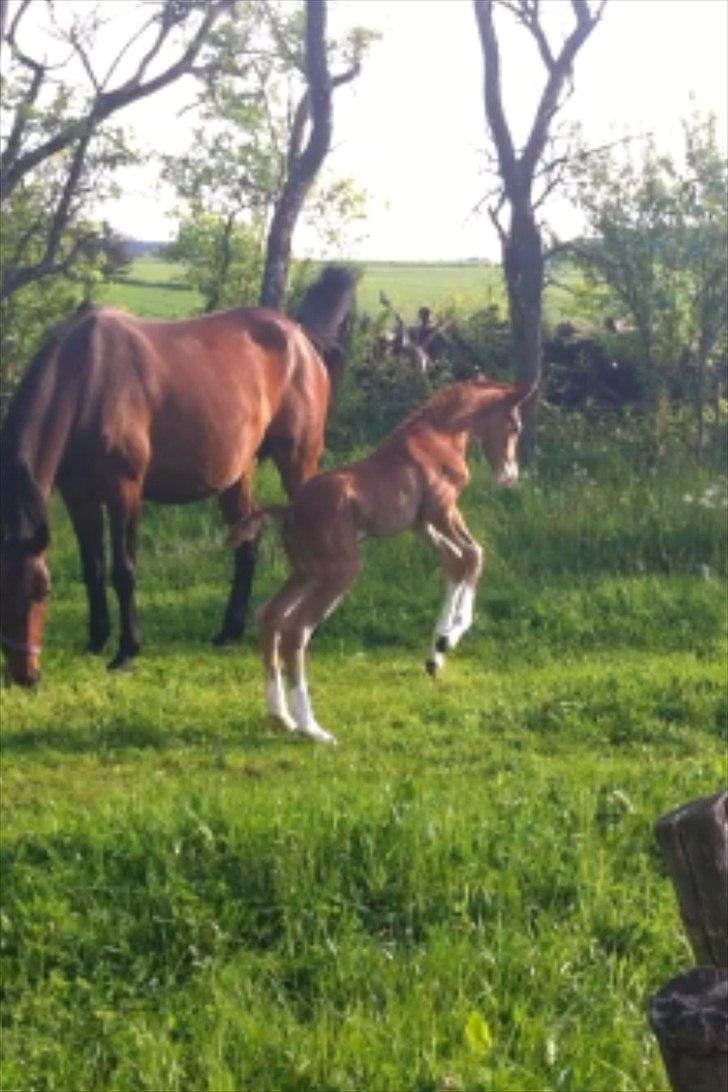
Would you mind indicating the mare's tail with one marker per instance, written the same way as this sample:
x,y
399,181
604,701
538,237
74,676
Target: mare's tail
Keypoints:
x,y
325,314
248,528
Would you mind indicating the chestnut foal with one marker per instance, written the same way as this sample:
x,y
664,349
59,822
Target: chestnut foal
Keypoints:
x,y
412,479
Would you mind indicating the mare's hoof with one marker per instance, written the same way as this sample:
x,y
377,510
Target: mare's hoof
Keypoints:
x,y
96,645
121,662
223,639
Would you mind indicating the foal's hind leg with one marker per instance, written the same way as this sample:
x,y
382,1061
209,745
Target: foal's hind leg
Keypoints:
x,y
88,523
462,560
318,601
271,617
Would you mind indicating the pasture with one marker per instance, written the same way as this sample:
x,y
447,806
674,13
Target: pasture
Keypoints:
x,y
157,287
465,894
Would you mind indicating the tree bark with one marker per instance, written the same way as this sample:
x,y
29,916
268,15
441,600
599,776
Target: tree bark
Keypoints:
x,y
303,166
521,242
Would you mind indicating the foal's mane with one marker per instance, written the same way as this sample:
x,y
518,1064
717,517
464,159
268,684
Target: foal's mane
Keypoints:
x,y
441,398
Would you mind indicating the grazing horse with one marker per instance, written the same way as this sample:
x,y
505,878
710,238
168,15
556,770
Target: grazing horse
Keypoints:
x,y
115,409
412,480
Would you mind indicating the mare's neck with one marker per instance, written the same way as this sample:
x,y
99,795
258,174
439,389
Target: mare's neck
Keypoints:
x,y
38,422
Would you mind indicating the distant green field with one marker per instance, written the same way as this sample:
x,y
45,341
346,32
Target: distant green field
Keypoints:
x,y
156,287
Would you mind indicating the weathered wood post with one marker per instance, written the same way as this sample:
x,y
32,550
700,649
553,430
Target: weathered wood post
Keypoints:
x,y
689,1014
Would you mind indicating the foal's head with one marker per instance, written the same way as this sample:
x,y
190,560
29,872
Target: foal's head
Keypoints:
x,y
498,426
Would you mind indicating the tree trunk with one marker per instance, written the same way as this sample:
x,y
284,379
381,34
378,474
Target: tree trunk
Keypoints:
x,y
523,268
279,243
303,166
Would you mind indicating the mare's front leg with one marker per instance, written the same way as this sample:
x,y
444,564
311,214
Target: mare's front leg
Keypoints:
x,y
88,524
235,504
462,562
124,510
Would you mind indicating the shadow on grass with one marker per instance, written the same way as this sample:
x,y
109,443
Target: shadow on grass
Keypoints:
x,y
254,735
137,282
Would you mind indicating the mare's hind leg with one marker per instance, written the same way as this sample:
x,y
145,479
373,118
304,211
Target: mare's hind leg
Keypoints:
x,y
462,561
124,510
235,504
318,601
88,523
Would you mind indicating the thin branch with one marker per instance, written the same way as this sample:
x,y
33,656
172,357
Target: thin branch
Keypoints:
x,y
495,114
108,102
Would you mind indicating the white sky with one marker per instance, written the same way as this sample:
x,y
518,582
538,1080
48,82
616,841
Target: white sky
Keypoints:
x,y
411,130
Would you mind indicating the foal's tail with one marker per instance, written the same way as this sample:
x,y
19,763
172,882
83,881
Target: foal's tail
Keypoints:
x,y
249,527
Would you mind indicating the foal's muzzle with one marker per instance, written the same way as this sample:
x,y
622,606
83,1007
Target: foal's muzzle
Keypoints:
x,y
508,474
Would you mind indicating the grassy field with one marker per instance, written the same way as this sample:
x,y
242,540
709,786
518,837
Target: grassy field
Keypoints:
x,y
156,287
465,894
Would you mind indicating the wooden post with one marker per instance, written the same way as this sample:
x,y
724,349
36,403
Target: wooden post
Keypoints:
x,y
689,1015
689,1018
694,843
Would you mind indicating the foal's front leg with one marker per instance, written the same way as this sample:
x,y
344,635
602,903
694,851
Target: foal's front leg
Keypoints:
x,y
462,563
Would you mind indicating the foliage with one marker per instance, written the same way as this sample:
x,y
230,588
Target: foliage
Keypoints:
x,y
221,260
233,174
657,239
66,71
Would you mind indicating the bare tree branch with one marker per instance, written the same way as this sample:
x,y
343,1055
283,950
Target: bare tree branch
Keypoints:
x,y
108,102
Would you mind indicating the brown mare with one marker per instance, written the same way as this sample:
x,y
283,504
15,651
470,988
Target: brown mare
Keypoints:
x,y
412,480
115,409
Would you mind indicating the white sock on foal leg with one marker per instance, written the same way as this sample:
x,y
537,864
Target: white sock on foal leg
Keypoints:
x,y
463,617
301,709
441,636
275,700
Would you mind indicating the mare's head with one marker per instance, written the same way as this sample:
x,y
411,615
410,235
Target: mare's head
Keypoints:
x,y
24,587
498,426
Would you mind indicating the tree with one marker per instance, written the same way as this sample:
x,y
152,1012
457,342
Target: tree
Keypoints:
x,y
236,174
521,243
55,124
312,119
657,235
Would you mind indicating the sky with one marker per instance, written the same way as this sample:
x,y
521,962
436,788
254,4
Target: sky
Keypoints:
x,y
411,129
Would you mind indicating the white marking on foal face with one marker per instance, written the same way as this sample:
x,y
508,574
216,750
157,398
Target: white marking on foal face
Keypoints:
x,y
508,470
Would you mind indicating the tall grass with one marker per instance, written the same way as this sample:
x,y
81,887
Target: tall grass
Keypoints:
x,y
465,894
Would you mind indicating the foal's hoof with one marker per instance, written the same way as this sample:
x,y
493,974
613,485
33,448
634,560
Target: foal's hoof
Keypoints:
x,y
96,644
432,666
285,725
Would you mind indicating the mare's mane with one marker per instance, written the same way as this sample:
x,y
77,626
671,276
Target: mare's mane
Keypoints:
x,y
23,510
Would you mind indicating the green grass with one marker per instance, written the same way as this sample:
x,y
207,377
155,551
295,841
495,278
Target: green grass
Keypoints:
x,y
465,894
154,286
